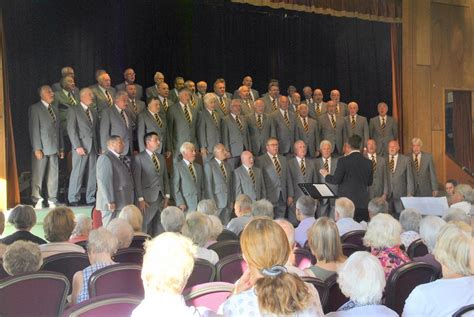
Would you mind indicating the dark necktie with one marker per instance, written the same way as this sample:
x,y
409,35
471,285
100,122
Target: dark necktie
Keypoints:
x,y
122,114
109,98
274,105
213,115
158,120
222,105
259,121
303,167
134,106
333,121
326,165
392,164
374,163
285,116
165,104
305,125
383,123
318,109
72,101
88,115
239,123
353,122
224,173
187,114
337,109
51,113
417,163
191,171
156,162
277,165
193,101
252,176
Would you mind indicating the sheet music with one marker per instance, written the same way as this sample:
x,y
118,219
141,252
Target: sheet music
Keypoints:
x,y
324,190
436,206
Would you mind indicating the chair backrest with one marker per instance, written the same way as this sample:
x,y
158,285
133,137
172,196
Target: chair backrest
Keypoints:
x,y
303,258
83,244
230,268
336,297
353,237
226,248
34,294
129,255
210,295
417,248
349,248
138,241
66,263
123,278
403,280
461,311
106,305
321,287
227,235
203,272
3,273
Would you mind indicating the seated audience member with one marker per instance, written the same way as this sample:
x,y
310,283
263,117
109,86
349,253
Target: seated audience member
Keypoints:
x,y
101,246
344,214
58,226
361,278
376,206
197,227
266,288
172,219
445,296
457,214
2,222
134,216
410,220
23,218
325,244
208,207
383,238
216,230
262,208
243,211
22,257
429,230
449,188
164,278
82,229
122,230
290,234
305,210
463,198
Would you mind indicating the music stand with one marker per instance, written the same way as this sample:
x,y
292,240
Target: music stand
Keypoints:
x,y
317,190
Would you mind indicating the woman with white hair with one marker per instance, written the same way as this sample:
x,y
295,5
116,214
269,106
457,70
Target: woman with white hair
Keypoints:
x,y
361,278
445,296
410,220
101,246
22,257
429,230
82,229
197,227
133,215
216,229
383,237
463,198
122,230
172,219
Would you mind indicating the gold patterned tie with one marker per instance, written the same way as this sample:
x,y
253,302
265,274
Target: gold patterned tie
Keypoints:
x,y
155,162
72,101
285,116
259,121
383,123
88,115
318,109
252,176
353,122
222,105
305,125
51,113
374,163
187,114
239,123
417,163
158,120
191,171
277,165
337,109
193,101
303,167
274,105
122,114
333,121
224,173
213,115
392,164
109,98
326,165
165,104
134,106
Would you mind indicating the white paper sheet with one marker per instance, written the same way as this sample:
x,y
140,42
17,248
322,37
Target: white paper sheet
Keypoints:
x,y
436,206
324,190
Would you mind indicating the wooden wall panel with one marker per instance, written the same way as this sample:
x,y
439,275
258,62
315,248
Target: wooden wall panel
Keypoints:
x,y
422,106
422,31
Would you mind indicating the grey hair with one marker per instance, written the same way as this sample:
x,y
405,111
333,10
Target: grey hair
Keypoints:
x,y
120,94
429,230
307,206
417,141
216,227
122,230
466,191
83,91
133,216
208,207
244,201
325,142
172,219
208,97
197,227
410,219
377,205
457,214
83,225
345,207
186,146
262,208
22,217
22,257
102,241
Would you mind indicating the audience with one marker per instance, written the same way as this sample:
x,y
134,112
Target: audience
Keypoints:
x,y
23,218
266,288
290,234
134,216
122,230
208,207
243,211
172,219
262,208
344,215
2,222
410,221
463,198
449,188
377,205
325,244
101,246
22,257
216,229
445,296
457,214
197,227
305,210
429,229
82,229
58,226
361,278
383,238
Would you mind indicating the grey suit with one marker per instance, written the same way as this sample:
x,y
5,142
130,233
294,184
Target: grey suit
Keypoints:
x,y
173,96
286,134
151,92
312,110
254,93
361,128
258,137
227,99
208,131
297,177
112,123
101,102
276,186
123,86
425,178
146,123
326,206
179,129
152,186
343,109
246,107
45,135
400,182
327,132
61,99
57,87
383,136
380,179
311,138
114,185
267,100
234,139
219,188
187,191
243,183
83,134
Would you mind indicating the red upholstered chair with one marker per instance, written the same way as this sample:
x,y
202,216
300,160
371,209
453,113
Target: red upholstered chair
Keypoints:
x,y
354,237
226,248
403,280
417,248
227,235
336,297
349,248
210,295
33,294
129,255
115,305
230,268
96,216
121,278
321,287
66,263
303,258
203,272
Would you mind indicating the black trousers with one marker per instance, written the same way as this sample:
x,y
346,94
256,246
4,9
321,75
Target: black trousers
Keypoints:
x,y
361,214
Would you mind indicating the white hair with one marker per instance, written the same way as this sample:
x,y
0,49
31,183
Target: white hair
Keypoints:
x,y
216,227
172,219
307,206
377,205
325,142
429,230
362,279
22,257
208,97
122,230
208,207
457,214
186,146
83,225
197,227
345,207
133,215
417,141
383,231
102,240
410,219
262,208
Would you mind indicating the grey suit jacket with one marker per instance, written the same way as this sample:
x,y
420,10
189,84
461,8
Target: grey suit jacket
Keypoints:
x,y
297,177
327,132
254,93
343,109
383,136
258,137
311,138
425,179
235,140
380,179
152,91
268,103
185,190
319,164
45,134
150,183
57,87
146,123
218,187
112,123
286,135
227,100
173,96
101,102
361,128
208,132
246,108
123,86
179,129
80,131
243,183
114,182
401,182
274,183
312,111
64,104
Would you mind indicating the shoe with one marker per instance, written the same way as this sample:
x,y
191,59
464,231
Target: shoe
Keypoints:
x,y
74,204
91,204
52,204
39,204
